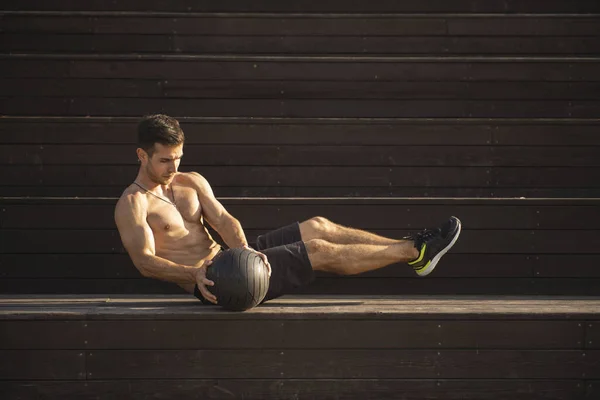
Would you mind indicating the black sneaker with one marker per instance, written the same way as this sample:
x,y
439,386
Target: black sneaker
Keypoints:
x,y
433,244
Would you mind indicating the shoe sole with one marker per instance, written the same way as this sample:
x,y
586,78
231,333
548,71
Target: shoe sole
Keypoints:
x,y
439,255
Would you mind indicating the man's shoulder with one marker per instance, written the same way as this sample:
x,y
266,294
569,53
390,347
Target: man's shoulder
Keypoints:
x,y
131,197
192,179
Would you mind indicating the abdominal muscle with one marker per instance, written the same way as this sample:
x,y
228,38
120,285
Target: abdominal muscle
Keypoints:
x,y
184,242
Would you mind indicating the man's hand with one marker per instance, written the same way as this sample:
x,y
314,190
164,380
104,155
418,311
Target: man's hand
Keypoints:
x,y
202,282
264,258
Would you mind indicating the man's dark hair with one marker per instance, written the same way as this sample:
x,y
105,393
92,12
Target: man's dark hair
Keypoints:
x,y
161,129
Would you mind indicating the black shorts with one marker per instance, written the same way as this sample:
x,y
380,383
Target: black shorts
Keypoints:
x,y
290,265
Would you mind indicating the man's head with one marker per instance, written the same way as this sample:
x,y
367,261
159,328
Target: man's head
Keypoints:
x,y
160,147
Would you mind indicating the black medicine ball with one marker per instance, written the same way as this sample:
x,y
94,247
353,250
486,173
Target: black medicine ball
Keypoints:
x,y
241,279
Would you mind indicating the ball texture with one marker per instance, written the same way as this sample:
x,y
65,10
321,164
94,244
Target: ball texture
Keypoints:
x,y
241,279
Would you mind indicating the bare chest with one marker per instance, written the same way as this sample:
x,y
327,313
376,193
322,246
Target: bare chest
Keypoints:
x,y
169,219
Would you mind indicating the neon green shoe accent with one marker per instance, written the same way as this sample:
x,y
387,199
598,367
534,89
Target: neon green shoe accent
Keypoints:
x,y
419,269
421,255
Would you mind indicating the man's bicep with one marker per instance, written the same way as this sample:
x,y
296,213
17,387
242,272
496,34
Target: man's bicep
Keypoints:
x,y
134,230
212,209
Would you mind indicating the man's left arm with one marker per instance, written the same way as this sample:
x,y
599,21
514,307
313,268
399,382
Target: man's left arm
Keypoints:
x,y
226,225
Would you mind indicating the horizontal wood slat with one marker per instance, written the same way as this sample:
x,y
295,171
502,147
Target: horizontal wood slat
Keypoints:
x,y
301,108
359,389
110,130
316,191
297,155
49,334
319,181
303,68
61,89
336,334
281,334
42,364
403,6
383,215
175,43
327,364
301,24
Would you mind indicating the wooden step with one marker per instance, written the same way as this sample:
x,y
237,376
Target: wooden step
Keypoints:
x,y
305,346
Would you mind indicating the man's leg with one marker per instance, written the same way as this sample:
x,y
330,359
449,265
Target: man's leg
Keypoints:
x,y
322,228
343,259
422,251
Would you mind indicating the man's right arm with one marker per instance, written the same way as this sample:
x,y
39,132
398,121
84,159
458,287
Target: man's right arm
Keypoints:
x,y
137,237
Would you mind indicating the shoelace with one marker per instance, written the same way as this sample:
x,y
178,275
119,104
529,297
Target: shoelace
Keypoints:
x,y
425,235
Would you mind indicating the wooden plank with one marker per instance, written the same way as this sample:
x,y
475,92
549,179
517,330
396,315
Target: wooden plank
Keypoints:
x,y
350,334
184,307
30,335
316,191
335,285
239,24
299,108
62,241
65,266
327,364
70,130
303,24
426,6
541,177
582,109
277,89
525,25
304,68
359,389
259,108
42,364
70,215
329,177
297,45
355,201
557,265
550,135
451,286
315,155
274,176
89,286
592,334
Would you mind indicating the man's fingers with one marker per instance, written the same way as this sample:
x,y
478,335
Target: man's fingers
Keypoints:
x,y
208,295
207,282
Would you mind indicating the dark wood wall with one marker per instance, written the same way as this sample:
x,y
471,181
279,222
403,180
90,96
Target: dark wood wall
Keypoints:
x,y
436,99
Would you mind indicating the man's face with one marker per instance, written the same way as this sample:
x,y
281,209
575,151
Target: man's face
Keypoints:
x,y
163,164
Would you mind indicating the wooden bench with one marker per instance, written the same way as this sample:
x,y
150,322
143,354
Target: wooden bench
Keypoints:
x,y
371,347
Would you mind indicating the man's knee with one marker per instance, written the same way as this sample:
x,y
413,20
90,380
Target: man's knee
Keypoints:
x,y
316,228
317,246
321,254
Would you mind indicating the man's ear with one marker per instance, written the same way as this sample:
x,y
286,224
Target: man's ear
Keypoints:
x,y
142,155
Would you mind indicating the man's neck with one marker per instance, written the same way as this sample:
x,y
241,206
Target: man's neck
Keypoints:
x,y
150,184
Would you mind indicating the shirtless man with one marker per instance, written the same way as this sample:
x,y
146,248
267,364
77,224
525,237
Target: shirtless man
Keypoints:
x,y
161,215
